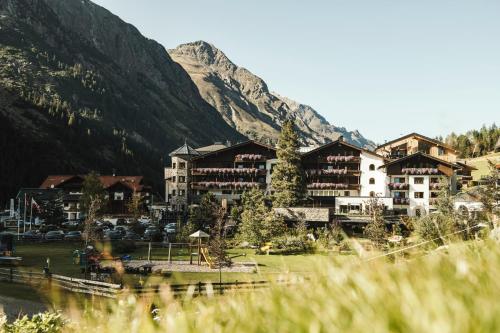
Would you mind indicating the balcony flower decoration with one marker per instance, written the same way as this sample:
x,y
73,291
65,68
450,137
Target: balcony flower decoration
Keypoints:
x,y
249,157
221,185
227,171
335,171
399,186
420,171
435,186
333,158
401,201
327,186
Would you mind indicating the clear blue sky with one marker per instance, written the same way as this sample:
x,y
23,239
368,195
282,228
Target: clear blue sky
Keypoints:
x,y
383,67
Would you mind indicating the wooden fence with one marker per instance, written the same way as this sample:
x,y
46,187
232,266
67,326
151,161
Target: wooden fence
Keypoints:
x,y
111,290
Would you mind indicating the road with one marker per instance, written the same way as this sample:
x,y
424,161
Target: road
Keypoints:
x,y
14,307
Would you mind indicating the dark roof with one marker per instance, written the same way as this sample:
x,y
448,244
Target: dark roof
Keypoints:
x,y
465,165
437,142
39,193
211,148
234,146
185,149
453,165
344,143
132,182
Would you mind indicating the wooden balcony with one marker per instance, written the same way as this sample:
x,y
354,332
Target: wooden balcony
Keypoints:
x,y
228,171
401,201
213,185
333,186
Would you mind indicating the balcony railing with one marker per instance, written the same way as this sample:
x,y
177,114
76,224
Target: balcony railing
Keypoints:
x,y
330,172
435,186
228,171
332,186
399,186
401,201
340,158
420,171
249,157
226,185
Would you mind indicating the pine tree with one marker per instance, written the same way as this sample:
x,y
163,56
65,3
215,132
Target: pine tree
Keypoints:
x,y
287,180
253,214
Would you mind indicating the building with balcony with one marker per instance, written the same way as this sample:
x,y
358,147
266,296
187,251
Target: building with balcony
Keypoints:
x,y
413,143
414,182
119,191
404,174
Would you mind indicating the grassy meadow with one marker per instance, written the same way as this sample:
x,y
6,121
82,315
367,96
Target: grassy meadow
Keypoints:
x,y
454,289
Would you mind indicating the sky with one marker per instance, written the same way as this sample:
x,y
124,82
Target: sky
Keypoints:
x,y
386,68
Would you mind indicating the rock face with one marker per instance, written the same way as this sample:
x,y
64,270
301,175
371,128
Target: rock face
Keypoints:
x,y
82,90
245,102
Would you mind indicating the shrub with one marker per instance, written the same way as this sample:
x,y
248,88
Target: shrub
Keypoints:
x,y
39,323
290,244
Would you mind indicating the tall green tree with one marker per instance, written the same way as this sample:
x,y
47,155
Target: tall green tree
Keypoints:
x,y
490,194
375,230
287,180
92,190
259,224
204,215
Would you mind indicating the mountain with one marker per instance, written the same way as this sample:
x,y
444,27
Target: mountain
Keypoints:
x,y
82,90
245,102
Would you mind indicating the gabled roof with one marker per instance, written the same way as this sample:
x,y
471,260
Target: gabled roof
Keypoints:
x,y
56,180
341,141
452,165
465,165
185,149
132,182
426,138
234,146
211,148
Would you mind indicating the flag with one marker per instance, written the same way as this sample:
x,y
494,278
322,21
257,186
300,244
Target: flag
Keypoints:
x,y
35,204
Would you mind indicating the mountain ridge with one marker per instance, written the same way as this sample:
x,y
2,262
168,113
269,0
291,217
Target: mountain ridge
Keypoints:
x,y
246,103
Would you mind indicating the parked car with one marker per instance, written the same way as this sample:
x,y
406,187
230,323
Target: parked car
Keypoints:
x,y
130,235
170,228
121,229
32,235
54,235
74,236
153,234
47,227
71,223
113,235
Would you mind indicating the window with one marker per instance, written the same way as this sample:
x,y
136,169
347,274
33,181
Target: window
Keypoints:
x,y
418,180
262,167
182,165
240,166
440,151
346,193
419,195
182,192
372,194
372,167
418,212
173,193
226,192
174,165
118,195
434,180
400,180
173,179
183,207
182,179
372,181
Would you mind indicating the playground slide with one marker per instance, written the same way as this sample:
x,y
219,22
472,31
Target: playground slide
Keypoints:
x,y
206,256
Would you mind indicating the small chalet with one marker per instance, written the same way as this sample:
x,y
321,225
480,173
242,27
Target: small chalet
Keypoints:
x,y
119,192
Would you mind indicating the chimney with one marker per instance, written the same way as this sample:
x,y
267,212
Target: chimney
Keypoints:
x,y
341,138
228,143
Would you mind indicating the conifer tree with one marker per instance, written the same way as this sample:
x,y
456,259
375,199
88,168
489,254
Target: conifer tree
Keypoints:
x,y
287,179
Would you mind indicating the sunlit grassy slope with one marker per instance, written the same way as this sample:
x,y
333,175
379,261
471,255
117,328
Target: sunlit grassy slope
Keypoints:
x,y
454,290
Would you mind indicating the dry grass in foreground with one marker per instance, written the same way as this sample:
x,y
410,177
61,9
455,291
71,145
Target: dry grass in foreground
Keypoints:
x,y
455,290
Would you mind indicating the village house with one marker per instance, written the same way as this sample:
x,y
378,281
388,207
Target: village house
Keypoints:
x,y
119,191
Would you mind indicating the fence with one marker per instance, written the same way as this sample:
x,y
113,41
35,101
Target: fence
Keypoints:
x,y
110,290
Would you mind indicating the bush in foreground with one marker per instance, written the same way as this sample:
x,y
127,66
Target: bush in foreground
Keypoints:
x,y
453,291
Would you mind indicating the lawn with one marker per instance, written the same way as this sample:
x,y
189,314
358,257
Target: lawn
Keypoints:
x,y
269,267
481,163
